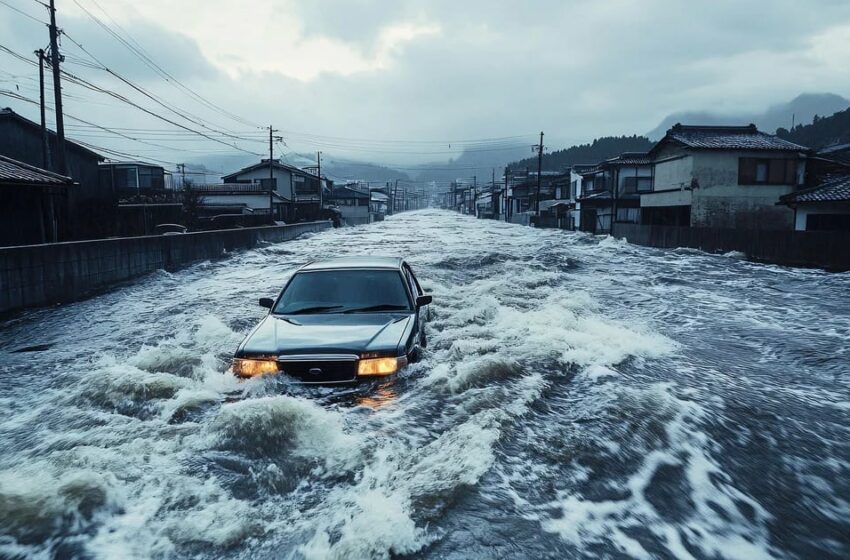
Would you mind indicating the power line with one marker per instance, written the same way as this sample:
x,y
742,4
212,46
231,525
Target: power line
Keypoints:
x,y
194,119
23,13
136,48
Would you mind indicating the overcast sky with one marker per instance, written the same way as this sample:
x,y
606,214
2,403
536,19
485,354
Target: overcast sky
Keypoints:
x,y
440,70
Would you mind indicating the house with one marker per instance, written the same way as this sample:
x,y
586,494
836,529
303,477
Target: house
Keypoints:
x,y
91,205
611,191
722,177
353,204
300,190
35,203
823,207
575,192
238,198
379,204
134,178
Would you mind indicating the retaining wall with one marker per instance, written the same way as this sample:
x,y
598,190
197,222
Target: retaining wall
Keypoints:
x,y
36,275
817,249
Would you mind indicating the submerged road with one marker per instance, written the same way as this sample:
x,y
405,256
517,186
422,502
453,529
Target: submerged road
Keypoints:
x,y
581,397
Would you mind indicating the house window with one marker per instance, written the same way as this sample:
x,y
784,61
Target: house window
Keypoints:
x,y
762,171
637,184
628,215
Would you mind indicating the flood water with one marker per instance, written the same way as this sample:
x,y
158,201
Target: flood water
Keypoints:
x,y
580,397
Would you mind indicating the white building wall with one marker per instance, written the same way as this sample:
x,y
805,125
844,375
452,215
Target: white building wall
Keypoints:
x,y
283,176
673,174
804,211
719,201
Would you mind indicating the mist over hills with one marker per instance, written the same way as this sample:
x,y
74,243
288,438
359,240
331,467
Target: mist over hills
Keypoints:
x,y
802,109
480,161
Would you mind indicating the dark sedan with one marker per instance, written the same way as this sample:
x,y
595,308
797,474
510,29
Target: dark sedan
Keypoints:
x,y
339,320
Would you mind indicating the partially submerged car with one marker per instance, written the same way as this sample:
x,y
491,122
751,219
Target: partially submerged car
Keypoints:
x,y
339,321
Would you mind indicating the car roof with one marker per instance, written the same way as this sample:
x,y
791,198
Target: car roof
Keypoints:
x,y
355,262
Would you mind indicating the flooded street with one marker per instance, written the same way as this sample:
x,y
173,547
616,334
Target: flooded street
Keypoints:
x,y
580,397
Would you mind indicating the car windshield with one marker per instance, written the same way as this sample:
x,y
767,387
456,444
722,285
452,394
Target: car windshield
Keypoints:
x,y
344,291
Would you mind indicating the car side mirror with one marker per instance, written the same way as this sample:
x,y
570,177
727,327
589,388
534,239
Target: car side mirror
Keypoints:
x,y
423,300
266,302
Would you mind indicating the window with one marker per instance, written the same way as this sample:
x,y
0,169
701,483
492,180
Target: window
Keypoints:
x,y
628,215
763,171
637,184
344,290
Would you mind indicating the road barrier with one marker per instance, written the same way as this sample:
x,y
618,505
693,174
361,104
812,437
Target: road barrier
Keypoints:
x,y
37,275
817,249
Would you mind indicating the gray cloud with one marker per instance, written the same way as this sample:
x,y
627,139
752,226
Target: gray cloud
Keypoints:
x,y
575,69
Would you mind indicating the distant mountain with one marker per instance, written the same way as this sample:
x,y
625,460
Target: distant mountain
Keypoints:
x,y
341,170
822,133
475,160
802,109
594,152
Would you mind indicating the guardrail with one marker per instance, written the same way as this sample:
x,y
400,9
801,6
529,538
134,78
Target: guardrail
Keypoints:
x,y
38,275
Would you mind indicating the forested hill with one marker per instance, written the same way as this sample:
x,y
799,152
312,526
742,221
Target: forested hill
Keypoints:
x,y
598,150
824,131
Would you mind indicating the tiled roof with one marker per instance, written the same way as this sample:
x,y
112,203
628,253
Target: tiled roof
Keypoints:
x,y
16,172
834,189
629,158
264,164
728,138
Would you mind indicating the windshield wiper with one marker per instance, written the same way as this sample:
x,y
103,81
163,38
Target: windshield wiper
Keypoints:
x,y
381,307
313,309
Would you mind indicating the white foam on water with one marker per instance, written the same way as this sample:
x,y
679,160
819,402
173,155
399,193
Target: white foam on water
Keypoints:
x,y
716,525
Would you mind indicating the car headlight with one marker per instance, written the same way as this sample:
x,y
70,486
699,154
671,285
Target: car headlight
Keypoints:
x,y
246,367
380,366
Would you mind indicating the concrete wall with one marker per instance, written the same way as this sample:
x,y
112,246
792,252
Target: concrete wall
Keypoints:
x,y
37,275
673,174
719,201
818,249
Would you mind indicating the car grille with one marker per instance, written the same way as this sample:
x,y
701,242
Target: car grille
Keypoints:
x,y
330,368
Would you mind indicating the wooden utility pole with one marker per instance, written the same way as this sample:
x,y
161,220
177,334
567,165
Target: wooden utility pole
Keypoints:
x,y
539,170
474,195
319,174
182,168
61,163
271,172
45,138
506,193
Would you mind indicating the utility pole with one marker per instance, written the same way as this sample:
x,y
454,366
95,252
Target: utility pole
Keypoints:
x,y
271,172
319,173
45,139
61,164
474,195
182,168
505,197
539,170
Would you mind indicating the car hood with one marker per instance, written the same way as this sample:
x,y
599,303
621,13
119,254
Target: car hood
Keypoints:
x,y
346,333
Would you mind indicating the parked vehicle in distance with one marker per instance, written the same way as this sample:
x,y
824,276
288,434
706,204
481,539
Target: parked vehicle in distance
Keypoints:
x,y
169,229
339,321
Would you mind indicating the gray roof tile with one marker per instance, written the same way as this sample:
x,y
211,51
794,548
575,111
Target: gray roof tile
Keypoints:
x,y
834,189
729,138
13,171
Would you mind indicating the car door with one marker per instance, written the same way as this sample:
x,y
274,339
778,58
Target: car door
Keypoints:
x,y
416,291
